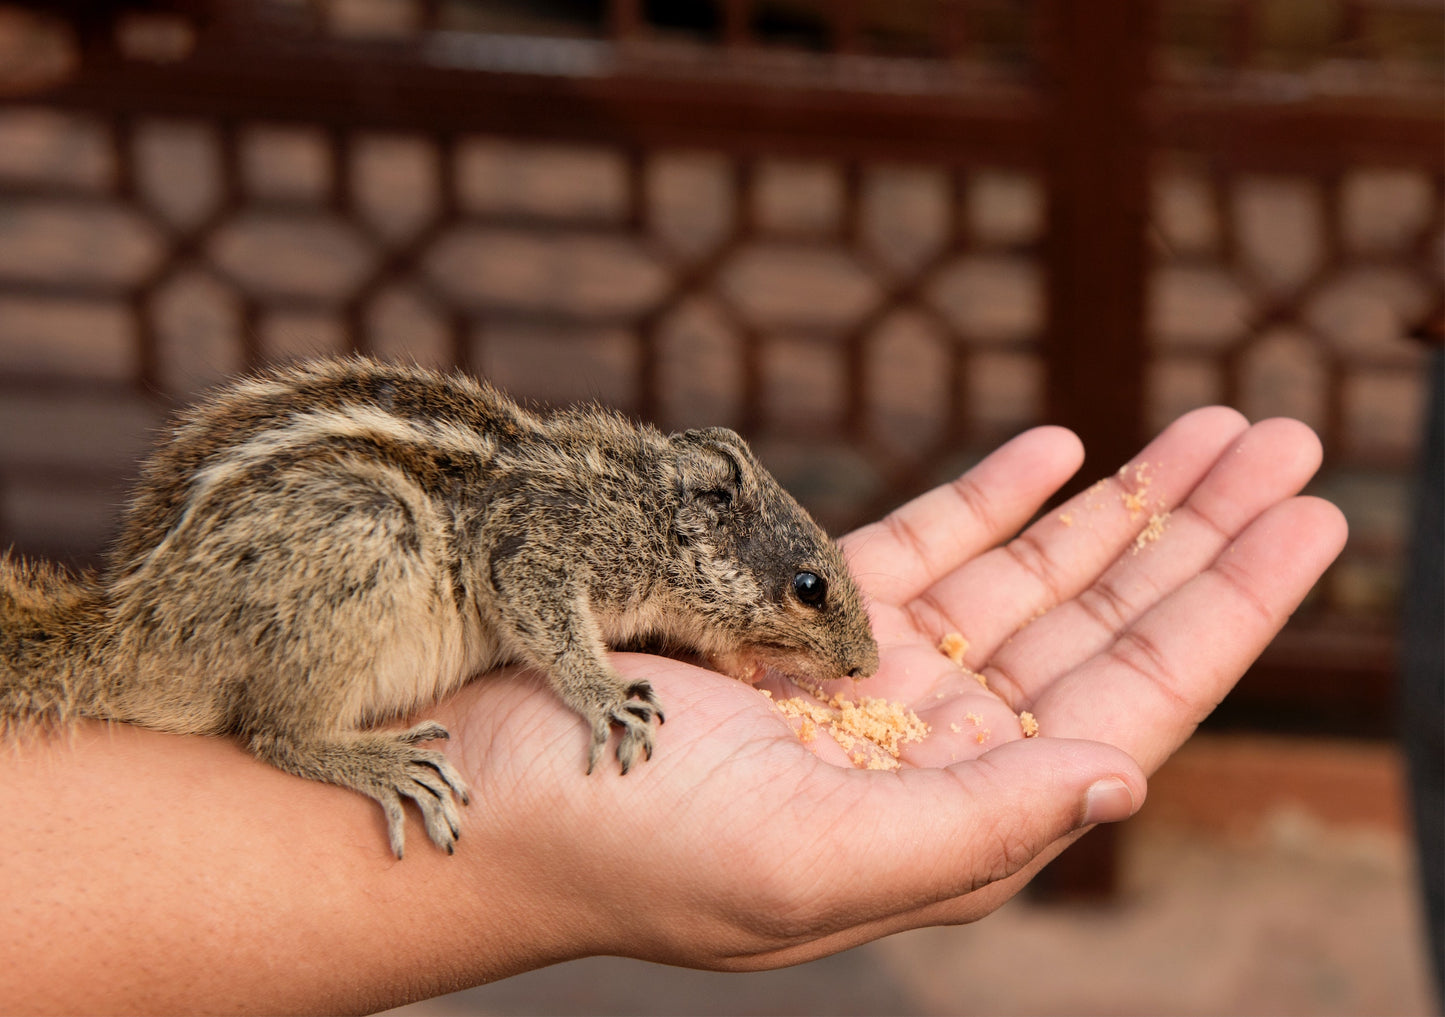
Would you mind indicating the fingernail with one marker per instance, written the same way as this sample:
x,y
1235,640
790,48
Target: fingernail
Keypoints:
x,y
1108,801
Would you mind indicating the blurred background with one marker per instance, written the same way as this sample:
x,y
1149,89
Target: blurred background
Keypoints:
x,y
876,237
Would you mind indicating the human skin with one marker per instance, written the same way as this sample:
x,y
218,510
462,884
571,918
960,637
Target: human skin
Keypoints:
x,y
147,872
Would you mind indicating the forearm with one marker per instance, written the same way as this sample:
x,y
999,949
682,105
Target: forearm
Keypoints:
x,y
150,872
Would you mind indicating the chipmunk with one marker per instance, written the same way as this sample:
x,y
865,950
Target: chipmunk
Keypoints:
x,y
326,547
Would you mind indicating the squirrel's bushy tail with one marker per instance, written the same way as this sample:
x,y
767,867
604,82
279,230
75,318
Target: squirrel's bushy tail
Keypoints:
x,y
49,620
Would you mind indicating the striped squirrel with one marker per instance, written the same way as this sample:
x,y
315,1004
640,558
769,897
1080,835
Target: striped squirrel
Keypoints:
x,y
326,547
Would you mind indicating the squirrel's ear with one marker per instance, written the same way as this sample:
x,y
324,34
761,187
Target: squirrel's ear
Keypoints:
x,y
715,471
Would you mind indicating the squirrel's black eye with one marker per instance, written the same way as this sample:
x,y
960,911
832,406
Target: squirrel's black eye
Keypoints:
x,y
811,588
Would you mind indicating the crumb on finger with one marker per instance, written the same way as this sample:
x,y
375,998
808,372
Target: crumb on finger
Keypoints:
x,y
954,646
1152,532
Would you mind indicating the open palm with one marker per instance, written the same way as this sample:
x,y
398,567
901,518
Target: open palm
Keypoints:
x,y
1118,620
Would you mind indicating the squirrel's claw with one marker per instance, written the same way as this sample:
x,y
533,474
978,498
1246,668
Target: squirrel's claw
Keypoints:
x,y
635,720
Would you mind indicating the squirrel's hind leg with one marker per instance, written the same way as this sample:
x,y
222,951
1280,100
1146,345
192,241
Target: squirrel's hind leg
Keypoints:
x,y
388,766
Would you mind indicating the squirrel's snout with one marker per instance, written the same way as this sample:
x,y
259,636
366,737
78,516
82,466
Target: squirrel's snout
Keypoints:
x,y
867,667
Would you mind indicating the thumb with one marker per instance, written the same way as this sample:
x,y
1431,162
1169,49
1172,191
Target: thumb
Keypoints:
x,y
1025,795
950,832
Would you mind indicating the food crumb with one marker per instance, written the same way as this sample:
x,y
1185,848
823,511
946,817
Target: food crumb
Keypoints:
x,y
1136,501
973,718
982,736
982,679
1152,532
1066,518
955,728
1030,724
954,646
875,726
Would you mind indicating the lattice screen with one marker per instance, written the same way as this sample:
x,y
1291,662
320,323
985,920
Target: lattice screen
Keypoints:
x,y
848,317
1287,295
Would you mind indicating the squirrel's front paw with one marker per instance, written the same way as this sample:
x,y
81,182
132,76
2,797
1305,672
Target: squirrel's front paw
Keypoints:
x,y
635,720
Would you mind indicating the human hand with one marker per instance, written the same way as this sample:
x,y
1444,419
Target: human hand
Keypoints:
x,y
738,846
182,874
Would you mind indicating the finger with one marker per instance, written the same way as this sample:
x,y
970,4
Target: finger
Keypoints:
x,y
996,594
901,554
1148,690
1270,462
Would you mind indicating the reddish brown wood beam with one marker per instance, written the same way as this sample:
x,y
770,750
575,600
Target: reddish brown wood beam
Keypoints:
x,y
1306,134
1095,249
382,87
